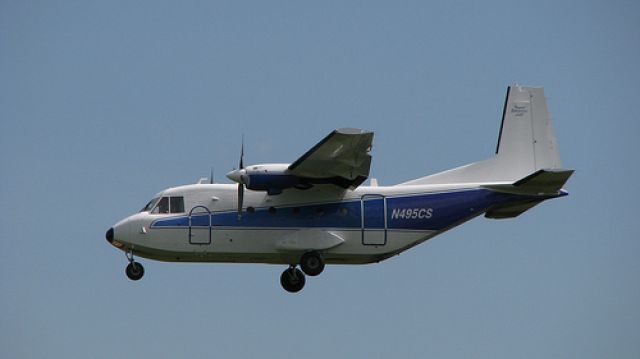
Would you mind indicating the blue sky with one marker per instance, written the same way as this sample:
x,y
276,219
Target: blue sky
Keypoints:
x,y
103,104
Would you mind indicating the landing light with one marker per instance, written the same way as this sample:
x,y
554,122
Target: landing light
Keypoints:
x,y
117,244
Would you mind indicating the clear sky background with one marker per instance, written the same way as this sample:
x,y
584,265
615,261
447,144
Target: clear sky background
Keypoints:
x,y
103,104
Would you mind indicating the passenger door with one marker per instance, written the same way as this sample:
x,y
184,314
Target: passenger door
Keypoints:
x,y
374,219
200,222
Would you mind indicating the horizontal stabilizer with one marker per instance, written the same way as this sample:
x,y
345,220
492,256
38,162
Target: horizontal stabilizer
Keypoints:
x,y
510,210
541,182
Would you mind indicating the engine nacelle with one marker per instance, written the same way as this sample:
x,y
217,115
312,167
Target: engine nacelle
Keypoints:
x,y
273,178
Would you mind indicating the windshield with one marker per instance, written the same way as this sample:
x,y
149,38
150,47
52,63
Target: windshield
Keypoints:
x,y
149,205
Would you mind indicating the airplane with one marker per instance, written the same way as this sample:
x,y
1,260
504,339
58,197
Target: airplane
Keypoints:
x,y
316,210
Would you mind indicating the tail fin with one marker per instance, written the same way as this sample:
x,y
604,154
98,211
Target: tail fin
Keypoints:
x,y
526,144
526,139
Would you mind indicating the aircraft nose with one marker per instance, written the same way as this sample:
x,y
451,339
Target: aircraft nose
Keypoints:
x,y
109,235
118,234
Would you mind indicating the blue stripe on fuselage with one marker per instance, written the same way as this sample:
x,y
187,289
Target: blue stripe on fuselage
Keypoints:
x,y
427,211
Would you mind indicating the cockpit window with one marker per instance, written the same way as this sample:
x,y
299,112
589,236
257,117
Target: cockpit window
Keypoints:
x,y
162,206
169,205
149,205
177,204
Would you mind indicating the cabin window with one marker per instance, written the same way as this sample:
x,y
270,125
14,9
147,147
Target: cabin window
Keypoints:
x,y
177,204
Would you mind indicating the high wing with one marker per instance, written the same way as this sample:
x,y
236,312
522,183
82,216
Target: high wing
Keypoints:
x,y
342,158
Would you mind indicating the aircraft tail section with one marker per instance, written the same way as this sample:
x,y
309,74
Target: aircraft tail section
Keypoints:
x,y
526,144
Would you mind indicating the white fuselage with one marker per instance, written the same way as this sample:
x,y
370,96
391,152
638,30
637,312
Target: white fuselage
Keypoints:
x,y
365,225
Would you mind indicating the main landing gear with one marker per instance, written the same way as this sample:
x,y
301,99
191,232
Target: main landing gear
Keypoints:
x,y
134,270
293,280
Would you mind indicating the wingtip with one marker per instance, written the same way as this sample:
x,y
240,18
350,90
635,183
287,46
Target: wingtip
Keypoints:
x,y
351,131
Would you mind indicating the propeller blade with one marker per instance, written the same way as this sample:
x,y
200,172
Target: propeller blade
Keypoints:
x,y
241,165
240,198
240,183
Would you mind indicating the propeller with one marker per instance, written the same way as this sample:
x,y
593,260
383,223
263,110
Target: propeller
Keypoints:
x,y
239,176
240,183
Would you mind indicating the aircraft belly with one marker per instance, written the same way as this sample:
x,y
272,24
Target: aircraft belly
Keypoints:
x,y
265,246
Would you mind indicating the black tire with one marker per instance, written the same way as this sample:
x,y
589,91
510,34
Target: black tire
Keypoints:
x,y
312,263
134,271
292,280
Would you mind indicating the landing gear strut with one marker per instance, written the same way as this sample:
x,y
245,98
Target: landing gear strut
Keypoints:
x,y
134,270
292,279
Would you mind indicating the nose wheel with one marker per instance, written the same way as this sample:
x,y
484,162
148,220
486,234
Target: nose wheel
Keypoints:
x,y
134,270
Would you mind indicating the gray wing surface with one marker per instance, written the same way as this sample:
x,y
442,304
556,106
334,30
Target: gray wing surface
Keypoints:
x,y
342,158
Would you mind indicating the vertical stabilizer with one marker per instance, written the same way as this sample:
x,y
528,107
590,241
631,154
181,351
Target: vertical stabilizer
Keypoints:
x,y
526,144
526,141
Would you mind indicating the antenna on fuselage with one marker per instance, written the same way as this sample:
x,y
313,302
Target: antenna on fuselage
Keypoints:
x,y
211,180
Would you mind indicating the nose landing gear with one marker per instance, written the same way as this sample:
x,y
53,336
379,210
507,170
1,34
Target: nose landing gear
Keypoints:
x,y
134,270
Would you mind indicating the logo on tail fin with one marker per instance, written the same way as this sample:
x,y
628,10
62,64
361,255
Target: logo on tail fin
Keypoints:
x,y
519,111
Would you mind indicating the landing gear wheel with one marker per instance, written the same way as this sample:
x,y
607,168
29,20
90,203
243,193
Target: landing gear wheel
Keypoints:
x,y
292,280
312,263
134,271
